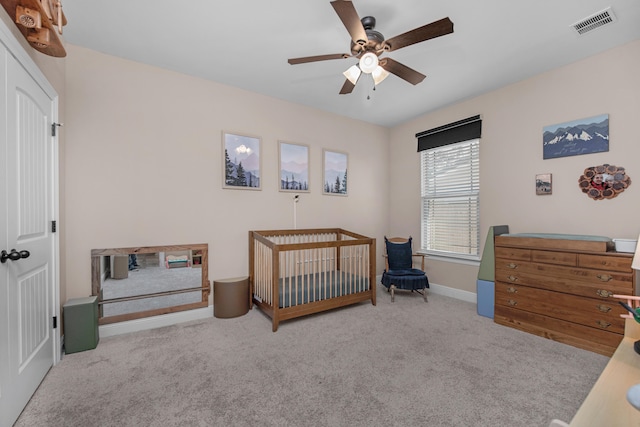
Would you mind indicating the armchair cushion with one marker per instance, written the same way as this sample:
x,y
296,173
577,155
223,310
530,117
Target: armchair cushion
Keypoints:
x,y
399,255
409,272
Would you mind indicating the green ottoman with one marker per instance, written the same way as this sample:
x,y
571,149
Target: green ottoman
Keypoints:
x,y
80,324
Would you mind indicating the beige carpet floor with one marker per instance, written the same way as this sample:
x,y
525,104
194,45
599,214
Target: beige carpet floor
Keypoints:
x,y
407,363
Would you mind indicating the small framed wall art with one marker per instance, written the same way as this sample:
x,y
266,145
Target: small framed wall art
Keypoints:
x,y
294,167
543,184
242,162
335,178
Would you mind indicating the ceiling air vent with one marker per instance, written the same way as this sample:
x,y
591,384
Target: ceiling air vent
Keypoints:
x,y
594,21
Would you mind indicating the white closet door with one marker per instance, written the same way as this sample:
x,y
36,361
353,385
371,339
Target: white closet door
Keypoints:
x,y
5,371
27,191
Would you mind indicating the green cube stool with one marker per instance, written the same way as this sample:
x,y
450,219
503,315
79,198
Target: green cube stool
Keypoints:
x,y
80,324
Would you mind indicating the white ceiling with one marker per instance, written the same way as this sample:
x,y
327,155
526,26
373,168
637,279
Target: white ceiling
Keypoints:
x,y
246,44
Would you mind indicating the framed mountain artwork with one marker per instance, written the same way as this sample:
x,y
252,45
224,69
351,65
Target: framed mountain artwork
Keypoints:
x,y
335,165
241,162
583,136
294,167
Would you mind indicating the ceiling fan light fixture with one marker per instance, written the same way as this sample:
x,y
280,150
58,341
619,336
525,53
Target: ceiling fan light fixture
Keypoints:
x,y
352,74
379,74
368,62
366,44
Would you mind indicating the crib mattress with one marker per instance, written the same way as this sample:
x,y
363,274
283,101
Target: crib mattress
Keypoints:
x,y
304,289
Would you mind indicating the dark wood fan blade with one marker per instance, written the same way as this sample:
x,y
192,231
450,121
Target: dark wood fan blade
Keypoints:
x,y
426,32
349,17
347,87
294,61
402,71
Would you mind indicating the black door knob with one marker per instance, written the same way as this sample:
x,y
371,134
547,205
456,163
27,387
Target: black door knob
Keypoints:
x,y
13,255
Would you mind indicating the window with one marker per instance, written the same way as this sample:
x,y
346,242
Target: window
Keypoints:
x,y
451,199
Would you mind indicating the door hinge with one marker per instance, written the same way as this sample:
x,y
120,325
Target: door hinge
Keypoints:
x,y
55,322
53,226
53,128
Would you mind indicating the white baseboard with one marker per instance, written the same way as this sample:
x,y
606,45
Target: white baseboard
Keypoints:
x,y
447,291
154,322
454,293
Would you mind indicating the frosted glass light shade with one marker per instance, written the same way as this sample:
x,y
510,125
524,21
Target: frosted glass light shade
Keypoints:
x,y
379,74
352,74
368,62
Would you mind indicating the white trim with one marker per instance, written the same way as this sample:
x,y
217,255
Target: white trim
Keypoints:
x,y
453,259
55,189
467,296
154,322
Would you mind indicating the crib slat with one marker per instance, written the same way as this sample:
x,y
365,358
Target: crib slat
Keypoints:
x,y
314,256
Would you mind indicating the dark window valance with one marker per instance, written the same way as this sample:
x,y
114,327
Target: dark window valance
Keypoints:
x,y
462,130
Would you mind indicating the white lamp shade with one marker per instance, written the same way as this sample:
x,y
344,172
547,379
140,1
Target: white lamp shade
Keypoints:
x,y
368,62
379,74
352,74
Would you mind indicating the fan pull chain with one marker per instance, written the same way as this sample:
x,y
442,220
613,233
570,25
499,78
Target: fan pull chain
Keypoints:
x,y
368,96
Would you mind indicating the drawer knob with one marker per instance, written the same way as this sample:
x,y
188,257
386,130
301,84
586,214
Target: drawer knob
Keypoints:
x,y
512,303
603,308
603,324
604,277
512,290
512,266
512,278
604,294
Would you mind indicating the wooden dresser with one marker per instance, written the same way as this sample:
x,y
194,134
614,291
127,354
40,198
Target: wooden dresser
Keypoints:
x,y
561,289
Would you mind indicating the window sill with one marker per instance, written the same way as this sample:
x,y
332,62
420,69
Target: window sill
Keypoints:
x,y
451,259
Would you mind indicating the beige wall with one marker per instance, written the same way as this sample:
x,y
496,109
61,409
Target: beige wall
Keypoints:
x,y
143,165
141,161
511,156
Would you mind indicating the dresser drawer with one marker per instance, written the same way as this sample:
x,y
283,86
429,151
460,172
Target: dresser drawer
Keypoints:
x,y
598,340
571,280
615,263
513,253
558,258
590,312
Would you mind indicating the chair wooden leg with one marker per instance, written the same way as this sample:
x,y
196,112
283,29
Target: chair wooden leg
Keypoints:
x,y
392,288
423,292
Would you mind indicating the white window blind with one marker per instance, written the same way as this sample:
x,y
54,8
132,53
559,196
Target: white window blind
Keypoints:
x,y
451,200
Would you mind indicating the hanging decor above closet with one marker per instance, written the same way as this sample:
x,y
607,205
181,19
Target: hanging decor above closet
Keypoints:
x,y
39,21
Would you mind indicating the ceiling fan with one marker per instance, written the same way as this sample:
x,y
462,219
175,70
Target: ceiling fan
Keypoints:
x,y
368,44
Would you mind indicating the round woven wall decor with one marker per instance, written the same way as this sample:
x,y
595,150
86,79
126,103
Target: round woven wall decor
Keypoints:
x,y
604,181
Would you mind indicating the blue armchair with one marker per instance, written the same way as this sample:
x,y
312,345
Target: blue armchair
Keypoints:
x,y
399,272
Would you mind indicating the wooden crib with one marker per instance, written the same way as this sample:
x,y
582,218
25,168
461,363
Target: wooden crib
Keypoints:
x,y
293,273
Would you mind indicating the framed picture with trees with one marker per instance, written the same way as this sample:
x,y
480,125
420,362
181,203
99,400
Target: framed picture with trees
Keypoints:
x,y
242,166
335,178
294,167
